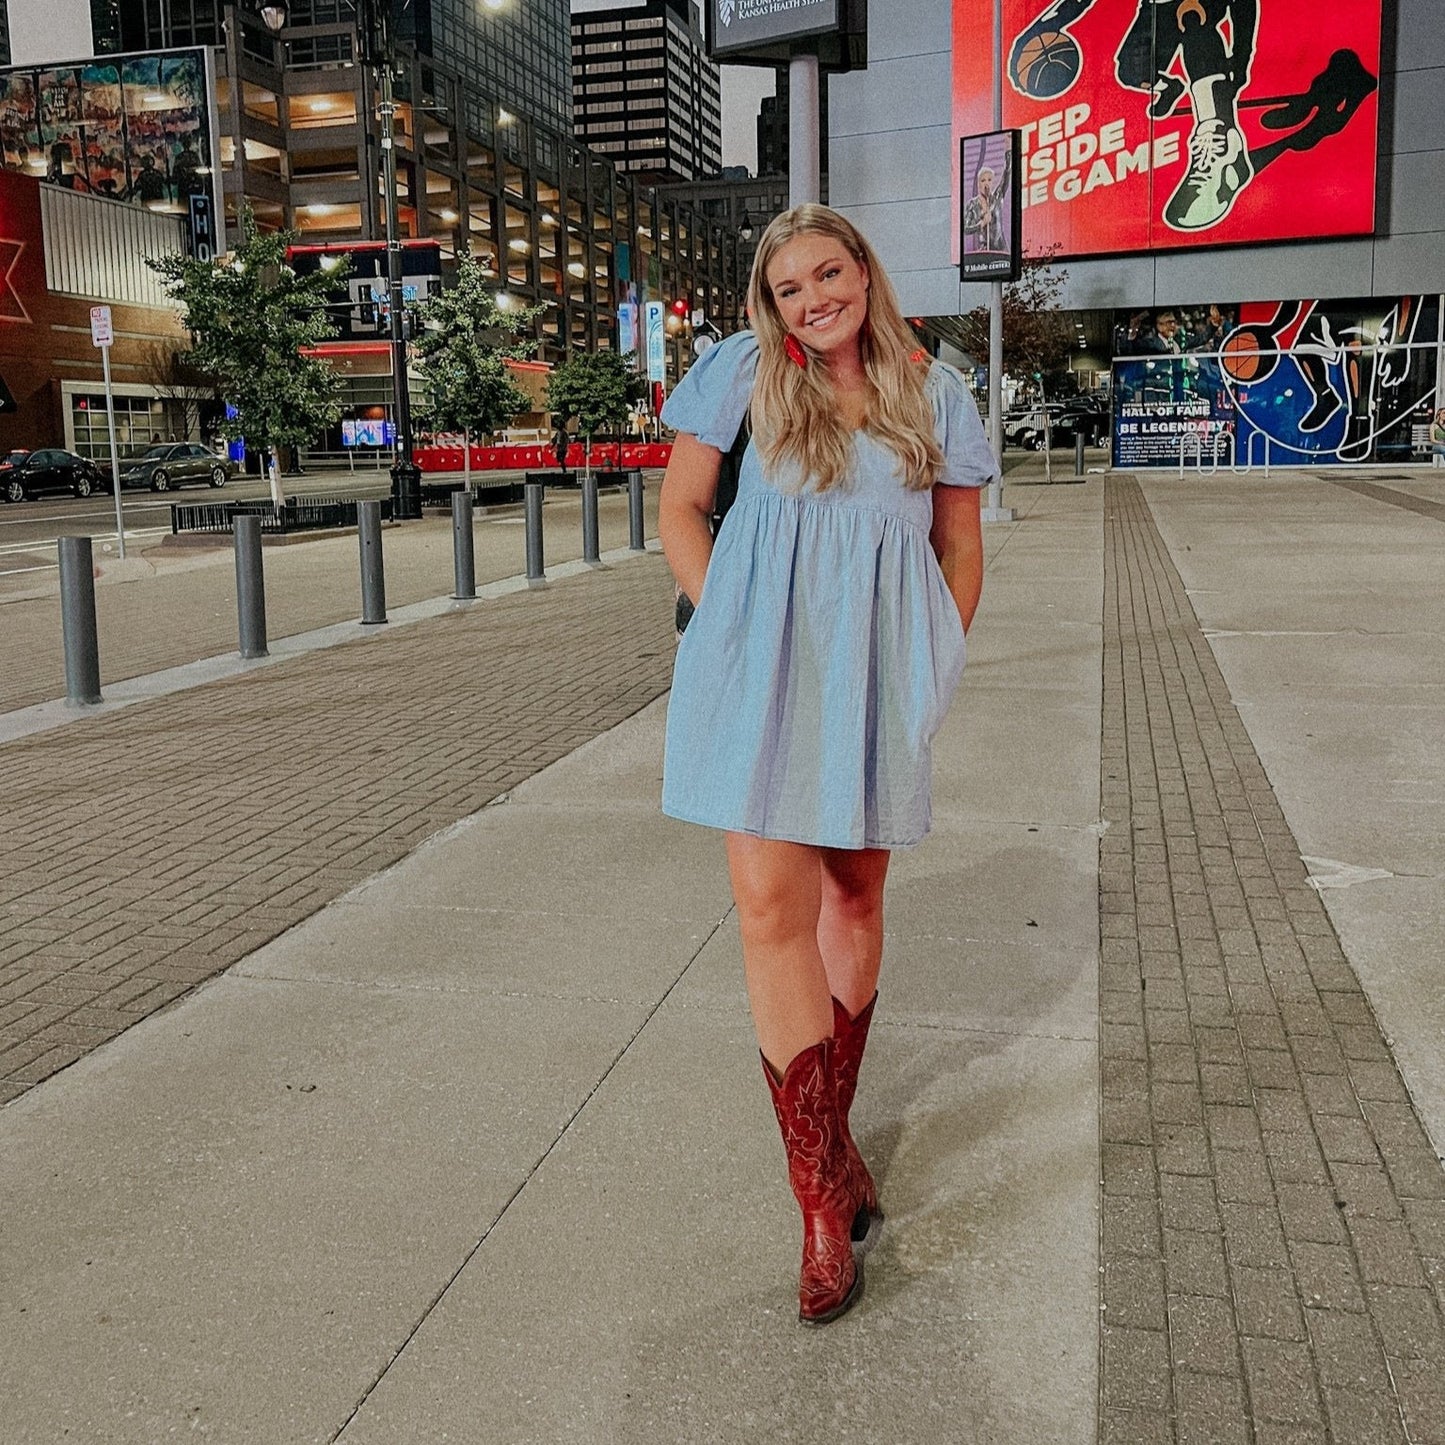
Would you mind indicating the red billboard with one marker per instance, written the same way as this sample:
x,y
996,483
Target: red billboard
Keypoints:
x,y
1159,124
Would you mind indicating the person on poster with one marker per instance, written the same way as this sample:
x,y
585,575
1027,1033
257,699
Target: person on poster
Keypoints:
x,y
1163,338
984,217
827,643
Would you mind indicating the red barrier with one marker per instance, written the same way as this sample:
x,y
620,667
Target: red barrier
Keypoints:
x,y
605,455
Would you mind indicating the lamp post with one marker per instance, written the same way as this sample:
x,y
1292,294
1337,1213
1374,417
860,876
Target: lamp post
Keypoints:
x,y
373,25
376,52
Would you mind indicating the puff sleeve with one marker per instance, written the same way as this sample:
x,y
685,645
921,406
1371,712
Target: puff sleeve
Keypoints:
x,y
711,401
968,460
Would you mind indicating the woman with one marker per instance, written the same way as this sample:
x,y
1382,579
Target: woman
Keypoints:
x,y
826,645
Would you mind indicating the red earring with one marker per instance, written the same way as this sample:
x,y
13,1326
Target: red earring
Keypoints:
x,y
795,351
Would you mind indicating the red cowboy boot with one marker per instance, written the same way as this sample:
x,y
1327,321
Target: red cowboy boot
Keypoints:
x,y
850,1037
805,1100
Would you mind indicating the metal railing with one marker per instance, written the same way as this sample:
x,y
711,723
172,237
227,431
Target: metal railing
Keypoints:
x,y
299,514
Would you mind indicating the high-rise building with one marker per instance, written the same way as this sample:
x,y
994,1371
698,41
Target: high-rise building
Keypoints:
x,y
773,131
520,53
4,32
644,92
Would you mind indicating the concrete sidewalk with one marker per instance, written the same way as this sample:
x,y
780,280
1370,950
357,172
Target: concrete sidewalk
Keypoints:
x,y
476,1147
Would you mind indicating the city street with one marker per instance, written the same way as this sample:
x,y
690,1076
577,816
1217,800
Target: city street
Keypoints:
x,y
28,529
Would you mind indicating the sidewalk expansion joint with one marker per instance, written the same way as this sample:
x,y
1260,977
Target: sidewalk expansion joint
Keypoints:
x,y
1273,1211
521,1187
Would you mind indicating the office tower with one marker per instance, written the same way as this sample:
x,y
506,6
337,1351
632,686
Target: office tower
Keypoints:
x,y
644,92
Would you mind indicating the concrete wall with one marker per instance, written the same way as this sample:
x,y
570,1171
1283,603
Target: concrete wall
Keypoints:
x,y
891,159
44,30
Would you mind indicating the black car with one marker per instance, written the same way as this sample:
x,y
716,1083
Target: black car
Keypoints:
x,y
32,474
173,464
1087,414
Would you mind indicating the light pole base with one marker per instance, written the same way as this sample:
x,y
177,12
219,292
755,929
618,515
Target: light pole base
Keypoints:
x,y
406,492
996,514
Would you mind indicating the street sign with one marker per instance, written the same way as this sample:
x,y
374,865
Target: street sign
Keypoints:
x,y
102,334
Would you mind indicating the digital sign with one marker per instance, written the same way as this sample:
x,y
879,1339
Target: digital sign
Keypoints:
x,y
990,169
740,25
1163,124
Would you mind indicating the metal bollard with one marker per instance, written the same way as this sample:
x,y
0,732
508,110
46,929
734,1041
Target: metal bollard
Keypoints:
x,y
77,621
1079,454
250,587
637,536
590,554
533,493
464,560
373,574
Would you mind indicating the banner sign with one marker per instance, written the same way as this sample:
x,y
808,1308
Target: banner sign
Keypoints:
x,y
1304,382
991,243
138,128
738,25
1148,125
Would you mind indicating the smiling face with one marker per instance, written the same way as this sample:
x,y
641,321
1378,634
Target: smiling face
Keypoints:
x,y
821,293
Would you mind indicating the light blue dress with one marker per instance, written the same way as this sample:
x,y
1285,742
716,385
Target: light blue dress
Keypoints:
x,y
826,648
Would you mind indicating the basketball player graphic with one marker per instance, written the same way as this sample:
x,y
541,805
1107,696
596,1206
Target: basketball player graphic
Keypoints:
x,y
1344,367
1175,49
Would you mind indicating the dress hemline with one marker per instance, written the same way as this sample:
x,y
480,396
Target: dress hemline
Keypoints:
x,y
776,836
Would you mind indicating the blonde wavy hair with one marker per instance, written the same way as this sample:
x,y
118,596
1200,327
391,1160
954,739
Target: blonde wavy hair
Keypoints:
x,y
794,415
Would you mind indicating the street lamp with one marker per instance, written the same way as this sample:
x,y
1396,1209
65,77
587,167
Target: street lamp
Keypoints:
x,y
745,229
273,17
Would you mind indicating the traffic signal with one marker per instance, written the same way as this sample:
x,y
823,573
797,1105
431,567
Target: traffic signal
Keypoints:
x,y
679,307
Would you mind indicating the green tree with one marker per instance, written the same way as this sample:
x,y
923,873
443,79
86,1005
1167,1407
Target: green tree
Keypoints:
x,y
252,319
462,352
598,388
1038,338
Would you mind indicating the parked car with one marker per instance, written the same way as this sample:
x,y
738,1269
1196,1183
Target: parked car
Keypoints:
x,y
1089,414
174,464
32,474
1025,427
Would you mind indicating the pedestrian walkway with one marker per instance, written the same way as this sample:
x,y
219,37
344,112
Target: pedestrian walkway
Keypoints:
x,y
462,1135
167,605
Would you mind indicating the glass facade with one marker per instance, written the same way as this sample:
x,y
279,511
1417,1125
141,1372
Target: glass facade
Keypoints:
x,y
644,92
139,422
555,223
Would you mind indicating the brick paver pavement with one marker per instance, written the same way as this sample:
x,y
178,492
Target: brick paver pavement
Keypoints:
x,y
147,850
187,610
1273,1212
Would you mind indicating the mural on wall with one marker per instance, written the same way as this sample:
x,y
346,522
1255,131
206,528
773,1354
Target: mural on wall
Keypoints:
x,y
133,128
1153,124
1323,382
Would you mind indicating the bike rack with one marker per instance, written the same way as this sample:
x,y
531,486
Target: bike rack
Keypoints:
x,y
1255,436
1197,439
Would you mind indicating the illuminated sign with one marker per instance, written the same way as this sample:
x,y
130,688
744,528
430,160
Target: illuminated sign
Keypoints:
x,y
990,170
138,128
1152,126
739,25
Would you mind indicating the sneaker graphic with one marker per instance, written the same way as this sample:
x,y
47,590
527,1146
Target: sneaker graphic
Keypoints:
x,y
1219,170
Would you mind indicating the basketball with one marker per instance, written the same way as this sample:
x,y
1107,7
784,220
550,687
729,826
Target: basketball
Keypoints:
x,y
1240,356
1045,64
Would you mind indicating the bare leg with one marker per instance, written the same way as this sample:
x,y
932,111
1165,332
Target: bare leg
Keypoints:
x,y
850,923
777,888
